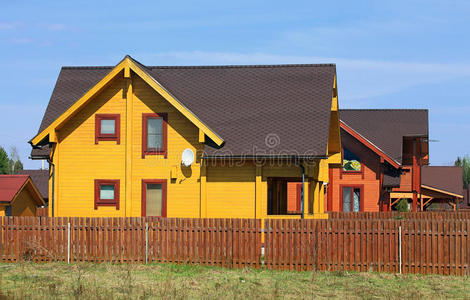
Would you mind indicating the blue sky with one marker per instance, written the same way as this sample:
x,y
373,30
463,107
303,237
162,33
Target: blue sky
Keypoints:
x,y
389,54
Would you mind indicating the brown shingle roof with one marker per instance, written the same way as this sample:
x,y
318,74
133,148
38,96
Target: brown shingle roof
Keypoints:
x,y
444,178
40,179
386,128
242,104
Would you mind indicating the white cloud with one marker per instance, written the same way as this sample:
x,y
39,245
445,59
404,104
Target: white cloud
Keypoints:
x,y
8,25
20,41
360,79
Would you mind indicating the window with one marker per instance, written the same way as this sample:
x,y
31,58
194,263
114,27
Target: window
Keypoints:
x,y
154,198
351,163
107,127
351,198
154,134
106,193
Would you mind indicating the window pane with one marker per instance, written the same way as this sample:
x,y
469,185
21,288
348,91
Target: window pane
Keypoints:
x,y
347,199
154,133
357,200
350,161
108,126
154,125
107,192
154,196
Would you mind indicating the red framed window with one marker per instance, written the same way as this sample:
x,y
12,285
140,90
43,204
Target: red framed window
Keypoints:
x,y
107,127
351,198
107,192
154,198
154,134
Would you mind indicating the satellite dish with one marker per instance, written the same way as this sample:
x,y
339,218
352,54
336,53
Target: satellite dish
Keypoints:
x,y
187,158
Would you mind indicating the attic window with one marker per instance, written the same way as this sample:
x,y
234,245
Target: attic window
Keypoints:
x,y
106,193
107,127
351,163
154,134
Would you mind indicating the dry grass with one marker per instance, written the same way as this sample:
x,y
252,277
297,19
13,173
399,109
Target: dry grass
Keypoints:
x,y
107,281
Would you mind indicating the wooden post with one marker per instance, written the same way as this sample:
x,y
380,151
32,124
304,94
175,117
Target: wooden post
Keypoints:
x,y
146,242
68,242
399,247
203,195
258,195
129,134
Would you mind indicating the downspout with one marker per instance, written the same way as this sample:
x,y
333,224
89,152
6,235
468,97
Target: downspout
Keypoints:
x,y
53,179
302,192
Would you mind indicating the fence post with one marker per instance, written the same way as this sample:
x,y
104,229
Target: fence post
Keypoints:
x,y
68,242
399,248
146,242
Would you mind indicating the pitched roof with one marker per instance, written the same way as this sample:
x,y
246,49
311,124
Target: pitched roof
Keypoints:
x,y
385,128
11,185
245,105
445,178
40,179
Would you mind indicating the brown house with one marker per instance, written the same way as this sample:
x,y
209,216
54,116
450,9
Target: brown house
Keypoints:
x,y
41,181
18,196
385,157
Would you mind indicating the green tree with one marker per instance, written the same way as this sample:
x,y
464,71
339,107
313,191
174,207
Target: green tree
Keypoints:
x,y
402,205
464,162
4,162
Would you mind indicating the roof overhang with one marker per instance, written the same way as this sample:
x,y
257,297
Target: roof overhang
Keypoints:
x,y
48,135
369,144
441,191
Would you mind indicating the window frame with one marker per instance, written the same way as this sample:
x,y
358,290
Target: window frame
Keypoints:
x,y
361,196
107,202
342,171
162,151
108,136
163,182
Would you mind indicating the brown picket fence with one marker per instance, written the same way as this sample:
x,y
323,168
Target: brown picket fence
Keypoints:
x,y
414,245
427,246
219,242
382,215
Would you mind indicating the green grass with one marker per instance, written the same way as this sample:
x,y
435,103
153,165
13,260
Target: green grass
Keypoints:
x,y
108,281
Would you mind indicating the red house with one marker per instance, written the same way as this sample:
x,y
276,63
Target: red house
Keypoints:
x,y
385,158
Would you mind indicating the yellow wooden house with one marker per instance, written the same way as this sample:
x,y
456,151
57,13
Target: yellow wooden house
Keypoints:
x,y
198,141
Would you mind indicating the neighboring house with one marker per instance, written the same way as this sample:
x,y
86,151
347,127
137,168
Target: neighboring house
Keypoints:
x,y
385,157
114,137
18,196
41,181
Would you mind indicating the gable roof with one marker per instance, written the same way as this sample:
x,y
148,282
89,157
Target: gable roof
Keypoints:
x,y
11,185
385,128
40,179
244,105
443,178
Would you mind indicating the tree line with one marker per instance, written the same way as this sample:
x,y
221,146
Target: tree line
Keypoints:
x,y
10,164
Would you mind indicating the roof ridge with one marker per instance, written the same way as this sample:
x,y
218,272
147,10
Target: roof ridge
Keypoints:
x,y
384,109
208,66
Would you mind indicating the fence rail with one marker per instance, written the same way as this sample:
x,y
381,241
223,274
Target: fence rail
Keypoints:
x,y
427,246
382,215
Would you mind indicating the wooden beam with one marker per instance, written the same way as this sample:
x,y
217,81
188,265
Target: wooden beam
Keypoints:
x,y
202,136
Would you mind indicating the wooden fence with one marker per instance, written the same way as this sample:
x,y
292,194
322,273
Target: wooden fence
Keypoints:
x,y
221,242
427,215
42,211
417,246
427,246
